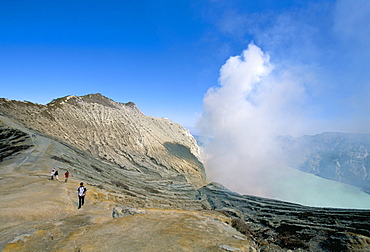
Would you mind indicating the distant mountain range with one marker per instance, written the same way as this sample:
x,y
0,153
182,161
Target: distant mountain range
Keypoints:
x,y
340,157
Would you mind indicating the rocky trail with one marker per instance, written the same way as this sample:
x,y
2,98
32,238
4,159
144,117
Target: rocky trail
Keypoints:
x,y
39,214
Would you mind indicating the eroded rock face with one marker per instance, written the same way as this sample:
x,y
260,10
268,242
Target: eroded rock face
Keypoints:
x,y
279,225
12,141
116,133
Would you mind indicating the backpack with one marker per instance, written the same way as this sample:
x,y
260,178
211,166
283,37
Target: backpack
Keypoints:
x,y
81,191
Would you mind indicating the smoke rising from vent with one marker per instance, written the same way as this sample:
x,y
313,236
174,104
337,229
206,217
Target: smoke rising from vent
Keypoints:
x,y
252,105
243,116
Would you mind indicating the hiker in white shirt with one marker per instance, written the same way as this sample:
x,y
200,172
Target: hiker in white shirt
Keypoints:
x,y
81,195
52,173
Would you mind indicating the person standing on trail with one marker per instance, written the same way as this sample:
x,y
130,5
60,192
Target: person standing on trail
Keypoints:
x,y
52,173
66,175
56,175
81,195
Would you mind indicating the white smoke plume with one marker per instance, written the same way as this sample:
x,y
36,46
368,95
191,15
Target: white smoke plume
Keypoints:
x,y
244,115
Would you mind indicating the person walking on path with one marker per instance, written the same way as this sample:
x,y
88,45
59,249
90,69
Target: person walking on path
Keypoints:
x,y
66,176
81,195
56,175
52,173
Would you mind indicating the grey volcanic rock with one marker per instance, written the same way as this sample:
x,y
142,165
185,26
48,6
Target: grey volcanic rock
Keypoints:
x,y
12,141
116,133
276,225
125,211
340,157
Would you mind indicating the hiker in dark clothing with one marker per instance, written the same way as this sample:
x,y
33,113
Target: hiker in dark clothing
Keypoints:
x,y
56,174
81,195
66,176
52,174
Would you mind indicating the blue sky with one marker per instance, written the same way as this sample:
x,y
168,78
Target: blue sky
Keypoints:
x,y
165,55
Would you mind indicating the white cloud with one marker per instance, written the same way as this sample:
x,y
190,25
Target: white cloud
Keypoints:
x,y
244,115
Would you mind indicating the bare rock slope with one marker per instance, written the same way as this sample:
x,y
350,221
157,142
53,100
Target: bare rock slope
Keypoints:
x,y
39,214
116,133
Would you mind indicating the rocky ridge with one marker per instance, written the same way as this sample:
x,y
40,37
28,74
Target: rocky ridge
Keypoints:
x,y
116,133
174,213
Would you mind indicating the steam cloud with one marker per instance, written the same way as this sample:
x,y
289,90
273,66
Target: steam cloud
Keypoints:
x,y
244,115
